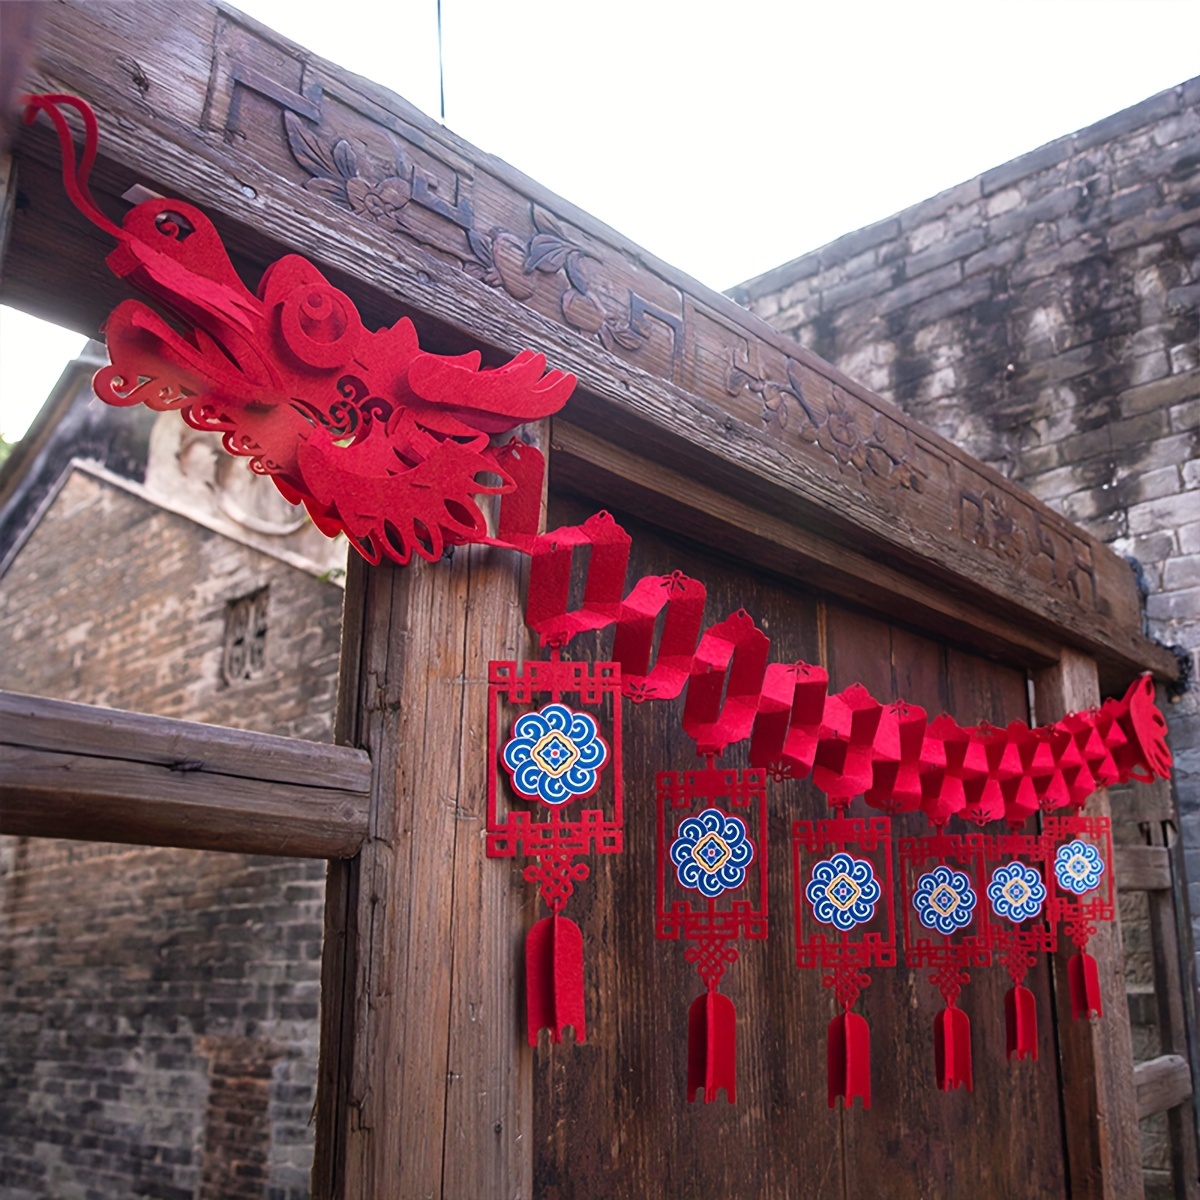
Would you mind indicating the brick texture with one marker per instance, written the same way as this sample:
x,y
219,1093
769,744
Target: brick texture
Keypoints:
x,y
158,1007
1045,317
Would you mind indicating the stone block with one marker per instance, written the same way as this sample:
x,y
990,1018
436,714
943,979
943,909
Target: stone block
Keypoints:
x,y
774,279
1185,416
1171,451
959,196
853,244
1002,202
1082,446
1152,548
1146,368
1049,208
948,303
924,236
874,283
944,252
999,254
1184,357
1159,396
1189,537
1056,261
918,289
1186,297
1120,124
1040,159
1181,573
1177,128
1174,606
1168,512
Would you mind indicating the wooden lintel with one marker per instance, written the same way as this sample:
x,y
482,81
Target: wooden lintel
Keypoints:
x,y
764,535
74,771
479,254
1161,1084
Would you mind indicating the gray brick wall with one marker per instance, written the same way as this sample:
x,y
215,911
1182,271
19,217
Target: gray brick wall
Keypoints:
x,y
1044,316
158,1007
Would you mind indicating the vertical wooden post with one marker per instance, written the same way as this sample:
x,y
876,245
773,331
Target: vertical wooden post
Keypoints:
x,y
1096,1057
425,1081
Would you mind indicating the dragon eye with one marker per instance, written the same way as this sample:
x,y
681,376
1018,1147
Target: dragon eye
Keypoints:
x,y
171,224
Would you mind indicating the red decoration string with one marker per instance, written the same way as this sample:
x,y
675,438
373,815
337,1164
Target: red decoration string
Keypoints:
x,y
849,742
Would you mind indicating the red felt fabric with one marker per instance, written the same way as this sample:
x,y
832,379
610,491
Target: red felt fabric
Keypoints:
x,y
554,979
849,1060
712,1048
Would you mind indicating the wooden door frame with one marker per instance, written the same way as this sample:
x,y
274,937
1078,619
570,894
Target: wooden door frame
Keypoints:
x,y
634,436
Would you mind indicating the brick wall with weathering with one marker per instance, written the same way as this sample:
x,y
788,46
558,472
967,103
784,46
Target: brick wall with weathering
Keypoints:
x,y
158,1007
1044,316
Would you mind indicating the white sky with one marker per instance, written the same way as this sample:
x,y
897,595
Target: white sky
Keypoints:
x,y
728,137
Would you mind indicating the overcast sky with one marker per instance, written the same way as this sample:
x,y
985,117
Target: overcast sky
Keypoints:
x,y
729,136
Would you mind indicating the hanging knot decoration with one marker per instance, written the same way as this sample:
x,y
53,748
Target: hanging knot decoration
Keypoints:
x,y
378,439
1083,895
554,786
945,928
712,844
845,922
1020,927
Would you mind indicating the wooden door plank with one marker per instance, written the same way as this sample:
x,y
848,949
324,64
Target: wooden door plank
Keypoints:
x,y
73,771
611,1117
424,1080
959,1150
1095,1057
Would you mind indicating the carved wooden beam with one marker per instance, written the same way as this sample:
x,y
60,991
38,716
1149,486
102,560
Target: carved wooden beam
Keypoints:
x,y
284,149
74,771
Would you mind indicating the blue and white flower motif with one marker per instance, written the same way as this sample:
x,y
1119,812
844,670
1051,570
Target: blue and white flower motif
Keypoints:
x,y
1017,892
711,852
1078,866
944,899
555,755
843,891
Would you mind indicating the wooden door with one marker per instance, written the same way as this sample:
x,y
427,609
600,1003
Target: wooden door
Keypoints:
x,y
611,1116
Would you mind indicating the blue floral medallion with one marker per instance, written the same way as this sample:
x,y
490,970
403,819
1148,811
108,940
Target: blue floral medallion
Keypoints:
x,y
843,891
711,852
1017,892
555,754
1078,866
944,899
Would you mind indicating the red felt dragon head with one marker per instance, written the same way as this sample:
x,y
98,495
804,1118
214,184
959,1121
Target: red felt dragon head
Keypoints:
x,y
378,439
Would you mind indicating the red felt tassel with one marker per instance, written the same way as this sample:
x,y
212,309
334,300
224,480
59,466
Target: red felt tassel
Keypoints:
x,y
712,1047
849,1050
1020,1022
554,979
1084,978
952,1036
